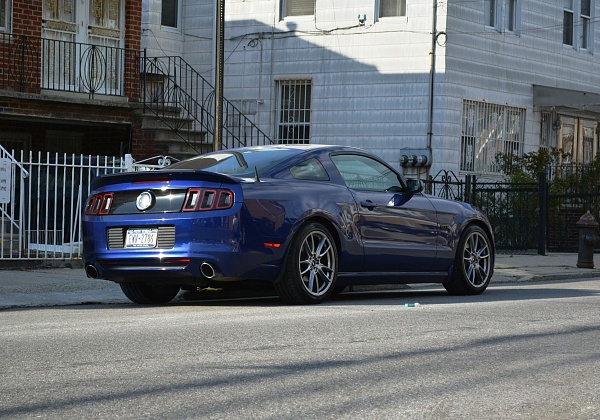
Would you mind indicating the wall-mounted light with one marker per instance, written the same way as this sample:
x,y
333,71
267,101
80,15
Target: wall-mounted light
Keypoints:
x,y
362,18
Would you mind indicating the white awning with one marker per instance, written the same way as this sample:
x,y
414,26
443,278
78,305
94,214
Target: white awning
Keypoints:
x,y
566,100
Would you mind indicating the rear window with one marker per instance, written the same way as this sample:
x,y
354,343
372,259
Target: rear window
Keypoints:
x,y
310,169
237,163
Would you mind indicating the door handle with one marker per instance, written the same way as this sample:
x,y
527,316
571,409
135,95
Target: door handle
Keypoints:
x,y
368,204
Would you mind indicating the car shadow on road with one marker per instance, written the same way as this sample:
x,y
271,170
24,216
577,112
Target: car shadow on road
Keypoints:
x,y
437,295
401,295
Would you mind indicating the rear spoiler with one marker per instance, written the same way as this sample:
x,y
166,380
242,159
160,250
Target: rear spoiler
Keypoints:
x,y
162,175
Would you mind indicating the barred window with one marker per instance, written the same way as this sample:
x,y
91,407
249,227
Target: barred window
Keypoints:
x,y
489,129
293,111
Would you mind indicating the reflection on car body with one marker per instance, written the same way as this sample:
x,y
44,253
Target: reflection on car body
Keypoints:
x,y
310,219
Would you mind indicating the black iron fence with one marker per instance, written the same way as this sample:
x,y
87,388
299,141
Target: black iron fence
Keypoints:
x,y
525,216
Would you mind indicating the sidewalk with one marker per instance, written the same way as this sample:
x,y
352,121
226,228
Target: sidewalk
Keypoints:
x,y
70,286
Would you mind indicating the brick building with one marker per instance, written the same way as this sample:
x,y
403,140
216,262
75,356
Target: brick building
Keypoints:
x,y
70,77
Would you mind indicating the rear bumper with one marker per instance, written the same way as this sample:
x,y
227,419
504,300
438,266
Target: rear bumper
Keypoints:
x,y
180,270
203,249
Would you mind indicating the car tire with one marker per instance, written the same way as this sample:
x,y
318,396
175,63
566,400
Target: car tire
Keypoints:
x,y
473,264
311,267
145,294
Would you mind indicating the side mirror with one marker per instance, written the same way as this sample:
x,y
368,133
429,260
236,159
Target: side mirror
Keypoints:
x,y
415,186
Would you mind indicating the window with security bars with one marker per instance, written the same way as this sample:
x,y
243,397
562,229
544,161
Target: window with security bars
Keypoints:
x,y
489,129
293,111
297,7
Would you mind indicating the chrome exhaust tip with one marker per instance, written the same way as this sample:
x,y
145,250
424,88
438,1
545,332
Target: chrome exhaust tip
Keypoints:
x,y
207,270
91,271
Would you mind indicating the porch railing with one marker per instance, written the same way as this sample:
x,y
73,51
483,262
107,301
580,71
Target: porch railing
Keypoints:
x,y
168,86
30,64
171,84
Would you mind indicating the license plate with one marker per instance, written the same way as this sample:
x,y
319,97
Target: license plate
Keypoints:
x,y
141,238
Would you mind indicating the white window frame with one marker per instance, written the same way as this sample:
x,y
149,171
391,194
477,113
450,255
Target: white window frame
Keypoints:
x,y
177,18
585,26
511,8
401,13
503,15
286,13
293,112
569,23
489,129
491,13
5,23
581,26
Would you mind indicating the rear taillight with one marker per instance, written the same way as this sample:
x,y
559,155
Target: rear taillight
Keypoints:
x,y
203,199
99,204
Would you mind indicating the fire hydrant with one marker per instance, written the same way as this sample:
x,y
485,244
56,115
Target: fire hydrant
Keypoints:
x,y
588,239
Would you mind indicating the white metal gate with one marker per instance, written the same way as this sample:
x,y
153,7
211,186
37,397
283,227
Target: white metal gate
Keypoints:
x,y
42,197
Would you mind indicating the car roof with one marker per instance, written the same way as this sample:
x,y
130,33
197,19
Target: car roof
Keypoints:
x,y
302,147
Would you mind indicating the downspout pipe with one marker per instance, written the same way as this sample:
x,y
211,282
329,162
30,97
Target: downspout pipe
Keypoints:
x,y
432,76
220,41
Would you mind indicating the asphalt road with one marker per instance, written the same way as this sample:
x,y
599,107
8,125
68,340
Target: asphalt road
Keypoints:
x,y
528,350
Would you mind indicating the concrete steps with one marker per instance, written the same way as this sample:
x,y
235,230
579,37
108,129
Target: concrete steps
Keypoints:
x,y
176,136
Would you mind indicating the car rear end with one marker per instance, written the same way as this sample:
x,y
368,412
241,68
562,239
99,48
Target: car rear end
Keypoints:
x,y
180,227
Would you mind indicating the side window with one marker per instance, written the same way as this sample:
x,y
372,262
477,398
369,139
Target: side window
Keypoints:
x,y
568,27
297,8
170,13
391,8
311,170
503,15
585,24
365,173
4,15
490,13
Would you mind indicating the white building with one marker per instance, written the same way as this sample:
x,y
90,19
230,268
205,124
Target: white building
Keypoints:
x,y
510,75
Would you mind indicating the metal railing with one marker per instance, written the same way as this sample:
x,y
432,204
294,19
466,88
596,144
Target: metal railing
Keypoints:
x,y
40,211
30,64
177,93
528,216
168,86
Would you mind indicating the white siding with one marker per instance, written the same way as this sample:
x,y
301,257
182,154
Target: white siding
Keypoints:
x,y
157,40
485,65
371,83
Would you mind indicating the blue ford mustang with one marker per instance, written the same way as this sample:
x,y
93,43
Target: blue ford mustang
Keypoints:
x,y
310,219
